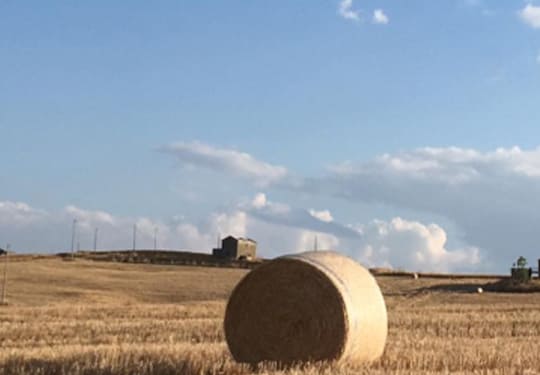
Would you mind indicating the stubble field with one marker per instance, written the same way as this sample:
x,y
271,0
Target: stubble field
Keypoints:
x,y
85,317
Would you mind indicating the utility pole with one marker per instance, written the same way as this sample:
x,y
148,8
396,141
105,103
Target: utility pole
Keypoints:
x,y
4,285
134,236
155,237
95,239
73,236
315,245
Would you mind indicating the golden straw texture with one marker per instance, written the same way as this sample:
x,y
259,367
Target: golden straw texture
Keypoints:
x,y
307,307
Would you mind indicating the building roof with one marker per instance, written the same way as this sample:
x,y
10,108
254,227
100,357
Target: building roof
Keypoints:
x,y
242,239
246,239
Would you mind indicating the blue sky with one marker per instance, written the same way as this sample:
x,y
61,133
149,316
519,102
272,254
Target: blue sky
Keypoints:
x,y
91,94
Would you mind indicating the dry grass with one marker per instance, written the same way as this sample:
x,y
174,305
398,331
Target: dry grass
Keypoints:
x,y
104,318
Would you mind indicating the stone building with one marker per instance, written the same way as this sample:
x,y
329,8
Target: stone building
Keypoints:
x,y
237,248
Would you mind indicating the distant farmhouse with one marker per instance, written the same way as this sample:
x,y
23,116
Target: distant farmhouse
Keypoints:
x,y
237,248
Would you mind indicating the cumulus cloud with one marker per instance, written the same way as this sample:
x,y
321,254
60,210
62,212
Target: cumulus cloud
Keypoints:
x,y
32,230
200,155
259,201
489,196
379,17
396,243
309,241
278,228
203,236
345,10
262,204
411,245
323,215
89,218
35,230
283,215
530,15
19,213
452,165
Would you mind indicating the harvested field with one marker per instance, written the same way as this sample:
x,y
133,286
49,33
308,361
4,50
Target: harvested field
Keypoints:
x,y
85,317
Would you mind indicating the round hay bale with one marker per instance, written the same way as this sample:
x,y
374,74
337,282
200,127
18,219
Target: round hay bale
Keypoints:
x,y
480,290
307,307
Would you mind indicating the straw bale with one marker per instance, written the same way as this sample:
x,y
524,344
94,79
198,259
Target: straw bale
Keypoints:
x,y
307,307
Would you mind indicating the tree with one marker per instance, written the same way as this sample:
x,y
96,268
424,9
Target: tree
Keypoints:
x,y
521,262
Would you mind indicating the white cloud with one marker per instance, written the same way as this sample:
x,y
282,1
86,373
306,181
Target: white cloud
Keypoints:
x,y
19,213
411,245
278,231
531,15
235,223
33,230
449,165
489,196
283,215
259,201
308,240
323,215
89,218
203,237
346,11
395,243
200,155
379,17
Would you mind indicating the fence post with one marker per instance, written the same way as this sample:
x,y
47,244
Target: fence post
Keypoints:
x,y
4,285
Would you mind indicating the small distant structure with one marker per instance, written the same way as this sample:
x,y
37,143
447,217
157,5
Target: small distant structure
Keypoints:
x,y
2,251
237,248
520,272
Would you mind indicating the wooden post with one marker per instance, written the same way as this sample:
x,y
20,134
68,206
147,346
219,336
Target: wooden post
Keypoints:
x,y
4,284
